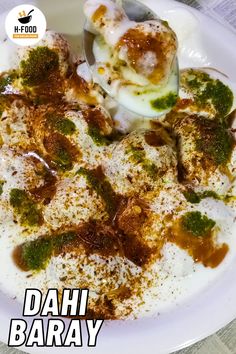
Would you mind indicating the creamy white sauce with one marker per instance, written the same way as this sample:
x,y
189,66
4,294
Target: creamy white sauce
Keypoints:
x,y
191,52
177,277
8,55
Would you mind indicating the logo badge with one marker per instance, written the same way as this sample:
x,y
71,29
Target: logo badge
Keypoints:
x,y
25,25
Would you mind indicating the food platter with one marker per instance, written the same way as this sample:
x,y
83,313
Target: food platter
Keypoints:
x,y
213,307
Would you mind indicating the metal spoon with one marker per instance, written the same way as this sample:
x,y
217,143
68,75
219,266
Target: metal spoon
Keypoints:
x,y
136,11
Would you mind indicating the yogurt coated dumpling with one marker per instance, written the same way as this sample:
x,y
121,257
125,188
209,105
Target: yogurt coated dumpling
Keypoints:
x,y
149,47
108,19
135,62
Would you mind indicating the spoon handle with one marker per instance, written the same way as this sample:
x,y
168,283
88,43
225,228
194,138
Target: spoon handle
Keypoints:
x,y
30,12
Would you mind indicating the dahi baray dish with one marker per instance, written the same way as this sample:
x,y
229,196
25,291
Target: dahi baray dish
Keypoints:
x,y
134,62
141,218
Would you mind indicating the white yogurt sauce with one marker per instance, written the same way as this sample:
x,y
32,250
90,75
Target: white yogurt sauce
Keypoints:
x,y
178,277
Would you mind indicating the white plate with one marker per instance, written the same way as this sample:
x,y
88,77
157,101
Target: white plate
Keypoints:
x,y
209,45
